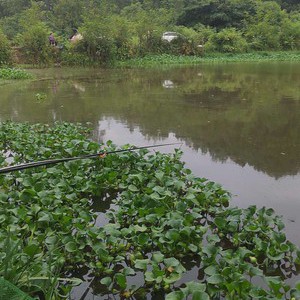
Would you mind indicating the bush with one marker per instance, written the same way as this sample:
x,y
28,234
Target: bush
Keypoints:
x,y
187,42
264,29
36,45
290,35
5,52
71,58
97,41
228,40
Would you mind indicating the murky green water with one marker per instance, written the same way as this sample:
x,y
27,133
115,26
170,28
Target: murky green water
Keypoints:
x,y
239,123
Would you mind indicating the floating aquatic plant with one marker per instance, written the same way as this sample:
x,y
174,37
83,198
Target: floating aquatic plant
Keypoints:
x,y
161,216
12,73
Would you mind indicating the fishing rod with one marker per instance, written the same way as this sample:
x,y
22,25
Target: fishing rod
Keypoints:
x,y
59,160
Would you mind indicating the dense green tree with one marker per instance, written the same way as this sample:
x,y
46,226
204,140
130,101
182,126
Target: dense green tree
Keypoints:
x,y
135,27
12,7
290,5
228,40
267,28
67,15
217,13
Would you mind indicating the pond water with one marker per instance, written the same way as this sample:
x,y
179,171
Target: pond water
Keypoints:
x,y
239,124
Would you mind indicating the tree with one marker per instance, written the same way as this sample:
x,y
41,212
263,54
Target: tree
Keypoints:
x,y
217,13
67,15
12,7
264,29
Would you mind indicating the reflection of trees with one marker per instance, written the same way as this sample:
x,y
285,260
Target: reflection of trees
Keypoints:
x,y
249,113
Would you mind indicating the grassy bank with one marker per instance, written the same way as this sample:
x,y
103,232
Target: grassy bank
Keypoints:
x,y
154,60
166,59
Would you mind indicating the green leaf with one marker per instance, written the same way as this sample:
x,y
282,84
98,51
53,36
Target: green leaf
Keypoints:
x,y
197,295
106,281
32,249
210,250
2,218
274,282
159,176
172,278
155,196
173,235
149,277
143,238
193,248
177,295
141,264
138,228
51,240
133,188
127,271
121,280
220,222
71,247
195,286
211,270
158,257
171,262
215,279
44,217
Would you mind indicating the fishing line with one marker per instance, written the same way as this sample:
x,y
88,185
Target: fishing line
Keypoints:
x,y
66,159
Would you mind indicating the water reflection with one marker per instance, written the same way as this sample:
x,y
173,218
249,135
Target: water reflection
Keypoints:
x,y
168,84
247,113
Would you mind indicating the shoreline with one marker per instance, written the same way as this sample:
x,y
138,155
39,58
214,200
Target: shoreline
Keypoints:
x,y
166,59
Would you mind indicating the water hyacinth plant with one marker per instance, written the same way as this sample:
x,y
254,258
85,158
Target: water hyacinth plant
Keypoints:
x,y
162,222
12,73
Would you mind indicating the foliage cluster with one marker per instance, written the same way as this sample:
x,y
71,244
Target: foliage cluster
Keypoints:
x,y
169,59
163,216
5,52
119,30
12,73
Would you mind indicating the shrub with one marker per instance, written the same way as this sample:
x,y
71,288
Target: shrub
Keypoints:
x,y
71,58
97,41
5,52
187,42
264,36
264,29
228,40
290,35
36,46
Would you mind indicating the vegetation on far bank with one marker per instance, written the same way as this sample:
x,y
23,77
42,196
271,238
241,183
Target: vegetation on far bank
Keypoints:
x,y
123,30
167,59
164,222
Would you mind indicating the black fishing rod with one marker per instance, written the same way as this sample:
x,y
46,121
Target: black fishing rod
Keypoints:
x,y
59,160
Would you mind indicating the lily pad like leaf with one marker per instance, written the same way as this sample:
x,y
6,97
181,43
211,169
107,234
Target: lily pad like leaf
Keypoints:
x,y
106,281
215,279
141,264
158,257
178,295
197,295
71,247
195,286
